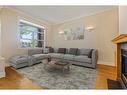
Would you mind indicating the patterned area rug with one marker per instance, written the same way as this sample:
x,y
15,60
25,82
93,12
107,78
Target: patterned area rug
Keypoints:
x,y
77,78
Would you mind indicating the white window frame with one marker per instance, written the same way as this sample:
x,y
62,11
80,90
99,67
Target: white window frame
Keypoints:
x,y
32,24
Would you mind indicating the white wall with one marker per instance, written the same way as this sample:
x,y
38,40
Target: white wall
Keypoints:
x,y
0,31
0,34
10,19
122,19
106,28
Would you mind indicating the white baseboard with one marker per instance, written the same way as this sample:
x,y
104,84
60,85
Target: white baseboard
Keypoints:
x,y
2,74
106,63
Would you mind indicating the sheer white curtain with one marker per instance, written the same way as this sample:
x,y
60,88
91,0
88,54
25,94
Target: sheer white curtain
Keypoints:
x,y
0,35
2,63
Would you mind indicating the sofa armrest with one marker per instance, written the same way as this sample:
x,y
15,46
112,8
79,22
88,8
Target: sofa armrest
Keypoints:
x,y
94,58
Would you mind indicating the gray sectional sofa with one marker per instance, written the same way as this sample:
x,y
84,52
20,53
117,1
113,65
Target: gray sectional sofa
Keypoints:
x,y
82,57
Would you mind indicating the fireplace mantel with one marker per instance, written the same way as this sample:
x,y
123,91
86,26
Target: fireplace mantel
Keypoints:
x,y
118,41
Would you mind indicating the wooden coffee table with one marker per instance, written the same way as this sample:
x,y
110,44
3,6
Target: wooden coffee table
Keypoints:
x,y
57,64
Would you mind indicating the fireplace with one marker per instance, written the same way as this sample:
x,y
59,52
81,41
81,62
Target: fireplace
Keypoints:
x,y
121,59
124,65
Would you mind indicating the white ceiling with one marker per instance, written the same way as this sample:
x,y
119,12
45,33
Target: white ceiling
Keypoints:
x,y
59,14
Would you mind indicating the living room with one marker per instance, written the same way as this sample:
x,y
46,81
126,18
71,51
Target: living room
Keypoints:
x,y
97,26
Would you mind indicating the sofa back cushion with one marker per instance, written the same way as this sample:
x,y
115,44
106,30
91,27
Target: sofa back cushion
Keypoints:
x,y
55,50
62,50
51,50
34,51
86,52
73,51
67,50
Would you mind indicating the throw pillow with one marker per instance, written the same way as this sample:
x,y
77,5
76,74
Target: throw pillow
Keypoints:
x,y
73,51
51,50
90,54
62,50
85,52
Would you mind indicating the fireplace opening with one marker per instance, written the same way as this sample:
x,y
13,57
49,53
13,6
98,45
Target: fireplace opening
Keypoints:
x,y
124,66
124,62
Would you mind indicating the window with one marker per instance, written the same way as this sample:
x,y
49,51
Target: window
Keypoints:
x,y
31,36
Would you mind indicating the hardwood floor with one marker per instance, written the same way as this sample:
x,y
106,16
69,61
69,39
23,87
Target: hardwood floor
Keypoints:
x,y
103,73
14,80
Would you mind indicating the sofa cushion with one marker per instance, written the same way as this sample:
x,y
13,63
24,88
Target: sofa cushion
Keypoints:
x,y
34,51
62,50
73,51
51,50
68,56
56,55
82,59
86,52
40,56
55,50
67,50
46,50
19,59
90,54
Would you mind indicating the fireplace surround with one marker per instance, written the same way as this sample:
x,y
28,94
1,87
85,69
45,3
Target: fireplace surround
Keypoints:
x,y
121,59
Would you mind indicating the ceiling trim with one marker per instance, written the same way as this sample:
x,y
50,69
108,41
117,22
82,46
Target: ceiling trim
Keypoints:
x,y
78,17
